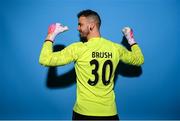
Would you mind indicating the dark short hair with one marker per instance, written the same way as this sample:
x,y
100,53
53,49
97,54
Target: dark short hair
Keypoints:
x,y
90,13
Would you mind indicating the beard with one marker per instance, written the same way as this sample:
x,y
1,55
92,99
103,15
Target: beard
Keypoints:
x,y
83,35
82,38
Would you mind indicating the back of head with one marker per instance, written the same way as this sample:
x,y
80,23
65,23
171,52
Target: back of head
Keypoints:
x,y
91,15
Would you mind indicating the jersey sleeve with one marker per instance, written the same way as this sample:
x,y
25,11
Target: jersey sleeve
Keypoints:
x,y
133,57
50,58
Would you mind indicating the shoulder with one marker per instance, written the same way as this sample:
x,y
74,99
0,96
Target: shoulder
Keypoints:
x,y
76,48
76,45
114,44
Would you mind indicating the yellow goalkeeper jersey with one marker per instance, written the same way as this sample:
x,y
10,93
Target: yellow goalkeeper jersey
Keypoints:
x,y
95,65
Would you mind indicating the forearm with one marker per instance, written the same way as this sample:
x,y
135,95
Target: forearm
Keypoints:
x,y
46,54
133,57
137,55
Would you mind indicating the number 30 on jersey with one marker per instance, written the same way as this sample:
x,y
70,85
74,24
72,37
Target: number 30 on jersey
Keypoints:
x,y
96,75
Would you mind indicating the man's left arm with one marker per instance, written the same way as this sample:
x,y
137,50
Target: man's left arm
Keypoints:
x,y
50,58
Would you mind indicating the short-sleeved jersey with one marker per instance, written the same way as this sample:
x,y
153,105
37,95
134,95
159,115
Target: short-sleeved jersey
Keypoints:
x,y
95,65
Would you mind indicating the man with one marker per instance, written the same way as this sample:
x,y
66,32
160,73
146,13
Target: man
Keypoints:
x,y
95,63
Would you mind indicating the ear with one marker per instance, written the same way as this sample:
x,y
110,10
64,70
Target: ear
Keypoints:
x,y
91,26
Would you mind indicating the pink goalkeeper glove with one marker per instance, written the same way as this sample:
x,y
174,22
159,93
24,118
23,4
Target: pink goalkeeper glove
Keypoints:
x,y
54,30
128,33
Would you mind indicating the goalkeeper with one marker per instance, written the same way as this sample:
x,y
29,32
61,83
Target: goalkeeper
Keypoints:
x,y
95,61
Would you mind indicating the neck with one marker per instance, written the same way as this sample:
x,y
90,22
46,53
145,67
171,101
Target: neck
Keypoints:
x,y
93,35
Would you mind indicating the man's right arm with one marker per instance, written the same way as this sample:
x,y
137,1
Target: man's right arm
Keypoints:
x,y
133,57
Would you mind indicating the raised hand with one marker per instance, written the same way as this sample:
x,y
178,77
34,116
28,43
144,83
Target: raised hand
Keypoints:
x,y
54,30
128,33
